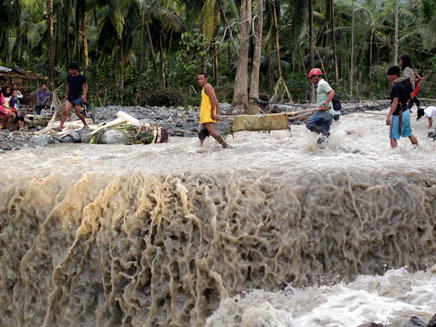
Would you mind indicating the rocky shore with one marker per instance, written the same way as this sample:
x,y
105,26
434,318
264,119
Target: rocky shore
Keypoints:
x,y
178,121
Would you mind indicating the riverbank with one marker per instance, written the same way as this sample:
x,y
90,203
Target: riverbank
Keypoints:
x,y
178,121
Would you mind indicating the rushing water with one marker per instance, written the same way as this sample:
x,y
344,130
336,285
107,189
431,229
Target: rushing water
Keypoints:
x,y
160,235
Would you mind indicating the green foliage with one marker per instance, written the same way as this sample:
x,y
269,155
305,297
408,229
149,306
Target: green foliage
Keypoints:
x,y
188,58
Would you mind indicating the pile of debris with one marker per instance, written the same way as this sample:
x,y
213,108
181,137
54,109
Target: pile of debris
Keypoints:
x,y
124,129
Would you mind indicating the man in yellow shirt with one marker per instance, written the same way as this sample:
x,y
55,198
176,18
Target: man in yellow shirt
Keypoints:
x,y
209,111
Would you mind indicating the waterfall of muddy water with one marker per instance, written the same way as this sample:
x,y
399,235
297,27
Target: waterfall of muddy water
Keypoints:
x,y
160,235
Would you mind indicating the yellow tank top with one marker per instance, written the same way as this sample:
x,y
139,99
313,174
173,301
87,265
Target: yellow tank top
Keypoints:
x,y
206,108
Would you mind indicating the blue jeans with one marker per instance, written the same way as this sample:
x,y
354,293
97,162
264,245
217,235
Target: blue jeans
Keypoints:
x,y
320,122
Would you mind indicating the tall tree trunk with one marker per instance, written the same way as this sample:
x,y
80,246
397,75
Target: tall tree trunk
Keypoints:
x,y
162,60
84,35
122,58
203,50
240,96
395,57
255,69
352,51
276,28
229,58
311,49
335,56
215,61
153,55
50,44
371,41
67,32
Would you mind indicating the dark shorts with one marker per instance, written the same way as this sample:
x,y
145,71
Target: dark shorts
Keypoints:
x,y
76,102
18,118
202,132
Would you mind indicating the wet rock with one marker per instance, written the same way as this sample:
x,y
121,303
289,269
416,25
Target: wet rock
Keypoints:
x,y
75,137
432,322
113,136
415,322
412,322
6,147
84,134
67,139
54,141
40,140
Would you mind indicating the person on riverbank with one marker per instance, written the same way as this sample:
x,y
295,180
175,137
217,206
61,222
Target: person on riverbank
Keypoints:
x,y
75,95
209,112
322,119
399,115
15,107
19,94
5,107
42,99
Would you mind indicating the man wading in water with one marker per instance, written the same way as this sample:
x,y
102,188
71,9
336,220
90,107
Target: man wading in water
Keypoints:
x,y
399,116
322,119
77,88
209,110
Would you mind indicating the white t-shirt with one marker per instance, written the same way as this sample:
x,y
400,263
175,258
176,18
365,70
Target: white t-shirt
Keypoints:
x,y
430,111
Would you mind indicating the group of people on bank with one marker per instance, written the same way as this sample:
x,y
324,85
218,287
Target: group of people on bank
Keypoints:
x,y
10,103
404,90
76,91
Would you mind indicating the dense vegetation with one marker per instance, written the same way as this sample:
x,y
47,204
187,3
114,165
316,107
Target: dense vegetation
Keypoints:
x,y
149,51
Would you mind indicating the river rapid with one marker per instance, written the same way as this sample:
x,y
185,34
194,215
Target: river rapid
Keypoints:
x,y
275,231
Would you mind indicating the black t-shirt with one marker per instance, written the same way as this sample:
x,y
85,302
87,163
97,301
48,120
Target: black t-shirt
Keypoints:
x,y
402,92
75,86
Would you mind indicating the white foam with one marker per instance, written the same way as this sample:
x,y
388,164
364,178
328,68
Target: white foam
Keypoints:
x,y
397,295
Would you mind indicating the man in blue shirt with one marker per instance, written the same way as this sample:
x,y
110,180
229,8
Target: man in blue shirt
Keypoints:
x,y
77,89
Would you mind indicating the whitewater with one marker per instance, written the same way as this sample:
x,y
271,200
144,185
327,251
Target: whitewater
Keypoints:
x,y
275,231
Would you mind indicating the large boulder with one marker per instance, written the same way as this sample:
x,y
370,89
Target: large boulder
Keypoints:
x,y
84,134
40,140
75,137
113,136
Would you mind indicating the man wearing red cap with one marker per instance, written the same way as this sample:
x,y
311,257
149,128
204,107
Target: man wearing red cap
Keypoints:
x,y
322,119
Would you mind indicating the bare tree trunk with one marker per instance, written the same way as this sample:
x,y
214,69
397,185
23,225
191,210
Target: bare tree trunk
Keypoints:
x,y
50,44
122,57
395,58
371,41
352,51
215,61
335,55
311,49
153,55
162,59
240,96
84,35
67,32
203,49
255,69
229,58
